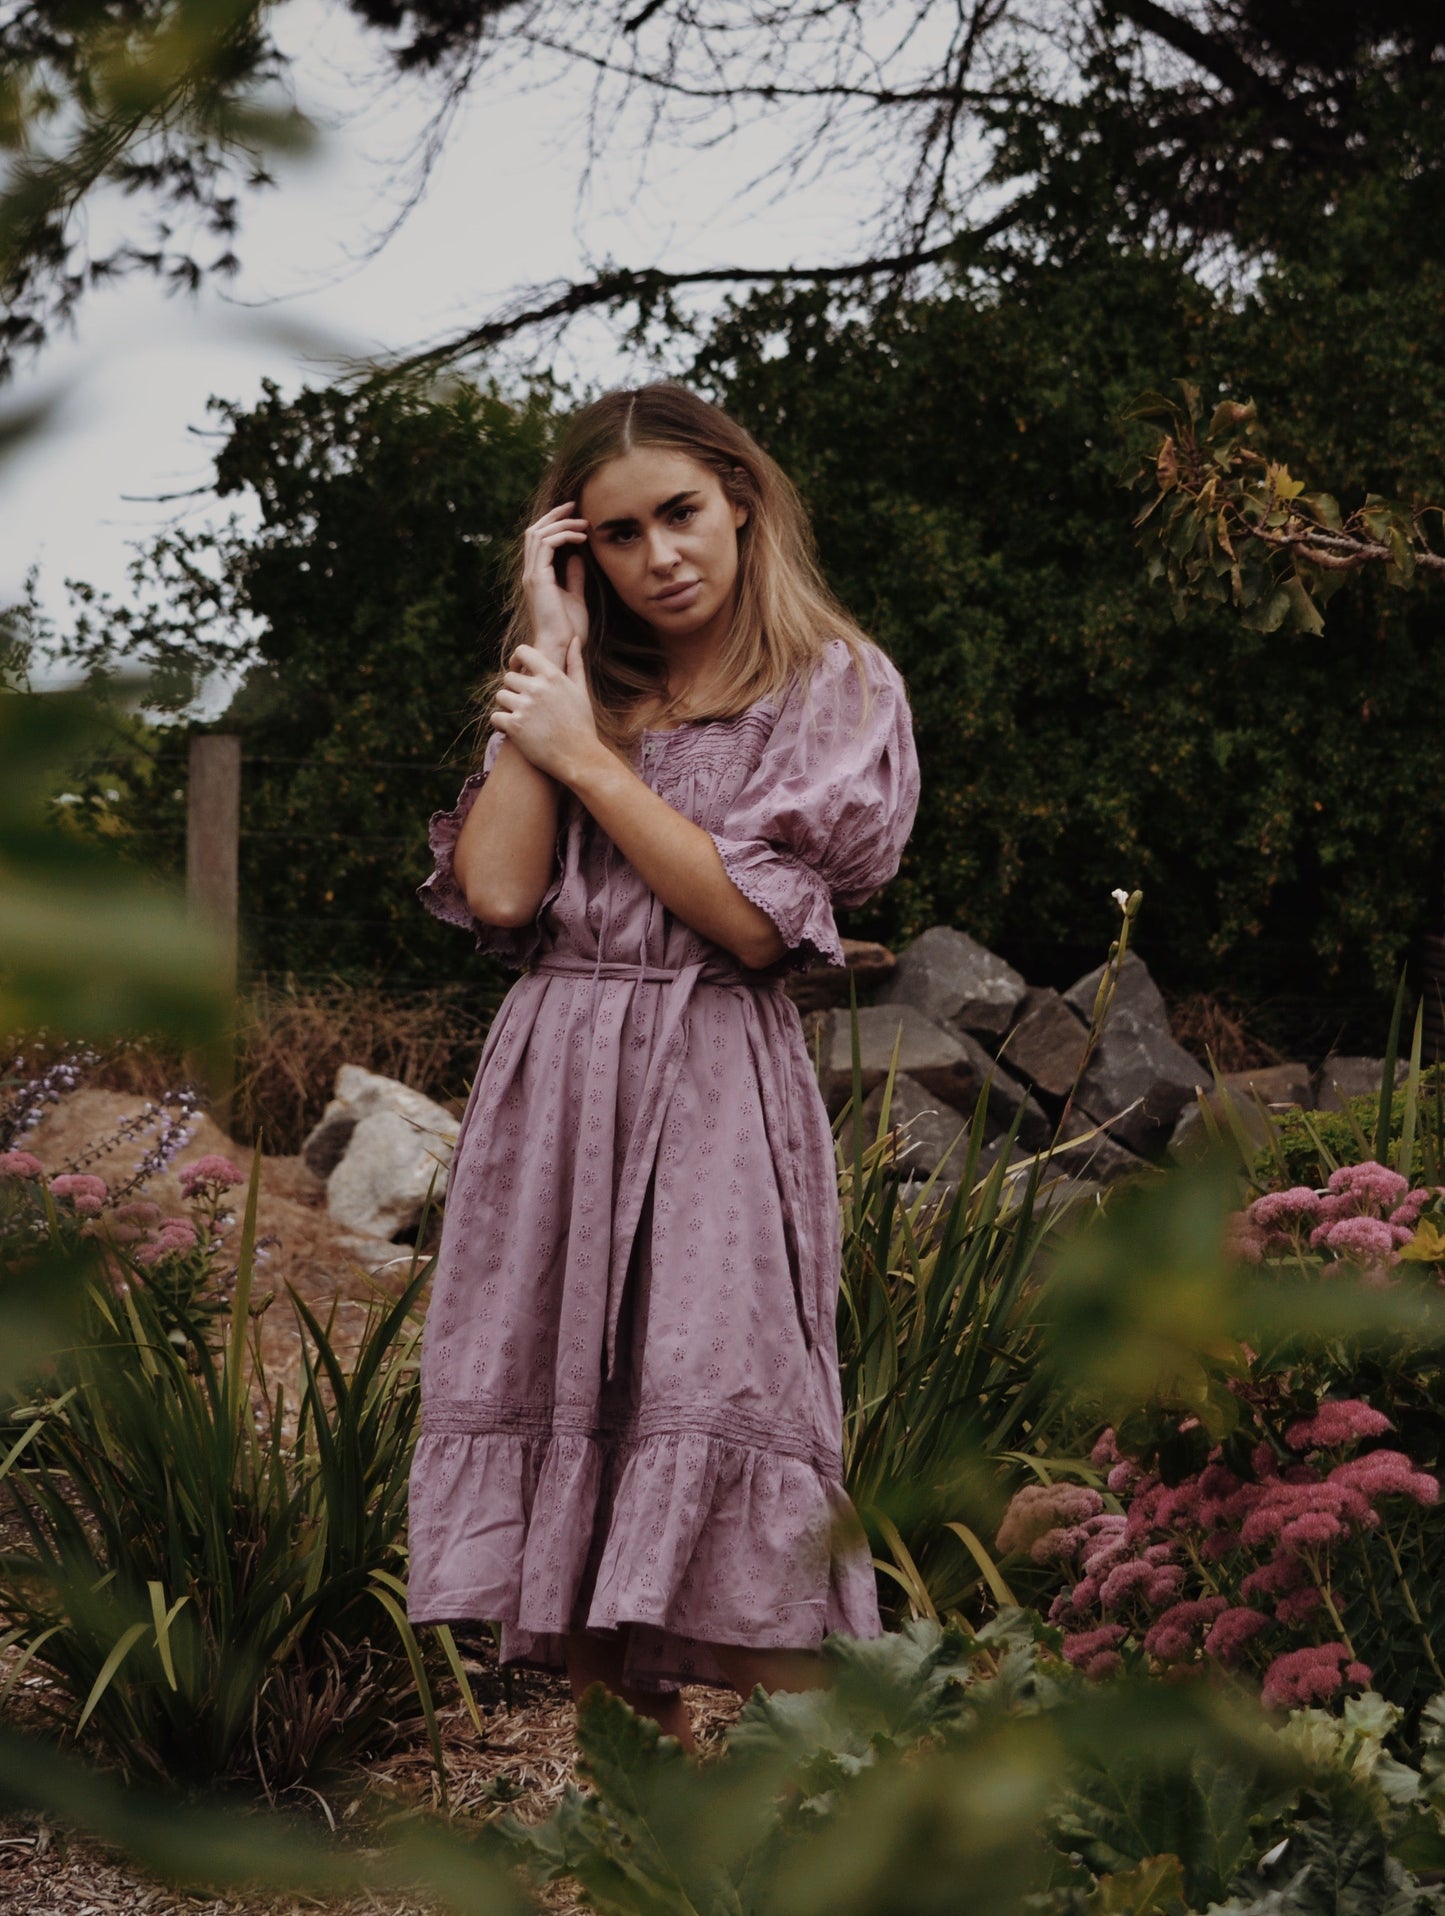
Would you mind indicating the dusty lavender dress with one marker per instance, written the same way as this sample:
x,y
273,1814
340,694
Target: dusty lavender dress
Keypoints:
x,y
631,1414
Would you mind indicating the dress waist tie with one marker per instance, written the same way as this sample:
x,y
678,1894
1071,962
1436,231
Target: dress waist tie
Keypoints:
x,y
669,1051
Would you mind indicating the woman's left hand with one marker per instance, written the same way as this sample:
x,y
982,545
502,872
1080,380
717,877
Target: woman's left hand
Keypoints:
x,y
546,711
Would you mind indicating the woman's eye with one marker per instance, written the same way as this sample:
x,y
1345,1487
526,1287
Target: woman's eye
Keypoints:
x,y
683,514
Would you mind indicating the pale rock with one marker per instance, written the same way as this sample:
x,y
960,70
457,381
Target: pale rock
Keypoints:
x,y
379,1188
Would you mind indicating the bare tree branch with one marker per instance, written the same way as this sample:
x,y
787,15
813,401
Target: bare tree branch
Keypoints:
x,y
645,285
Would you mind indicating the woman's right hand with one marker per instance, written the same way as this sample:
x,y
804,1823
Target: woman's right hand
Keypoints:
x,y
558,612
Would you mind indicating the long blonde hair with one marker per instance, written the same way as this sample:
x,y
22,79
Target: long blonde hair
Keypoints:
x,y
785,615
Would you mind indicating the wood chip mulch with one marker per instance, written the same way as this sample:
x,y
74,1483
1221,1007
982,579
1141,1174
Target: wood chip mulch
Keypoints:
x,y
521,1767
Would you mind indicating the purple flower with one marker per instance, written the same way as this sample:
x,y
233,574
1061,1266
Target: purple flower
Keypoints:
x,y
1368,1186
20,1164
1337,1421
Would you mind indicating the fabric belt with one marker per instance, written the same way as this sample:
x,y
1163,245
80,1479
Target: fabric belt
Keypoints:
x,y
669,1051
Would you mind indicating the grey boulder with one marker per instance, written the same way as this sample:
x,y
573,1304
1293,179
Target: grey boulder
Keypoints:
x,y
1342,1078
1047,1044
1139,1079
955,981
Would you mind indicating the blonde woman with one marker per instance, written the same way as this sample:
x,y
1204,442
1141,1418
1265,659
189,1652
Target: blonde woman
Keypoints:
x,y
630,1455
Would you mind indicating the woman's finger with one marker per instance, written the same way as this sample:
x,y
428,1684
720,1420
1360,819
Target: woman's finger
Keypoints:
x,y
528,659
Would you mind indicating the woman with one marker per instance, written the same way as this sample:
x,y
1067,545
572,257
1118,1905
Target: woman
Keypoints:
x,y
631,1415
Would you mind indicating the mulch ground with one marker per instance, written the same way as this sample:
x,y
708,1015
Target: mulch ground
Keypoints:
x,y
520,1767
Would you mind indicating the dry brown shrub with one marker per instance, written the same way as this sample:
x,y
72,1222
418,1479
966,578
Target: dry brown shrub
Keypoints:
x,y
1211,1024
293,1038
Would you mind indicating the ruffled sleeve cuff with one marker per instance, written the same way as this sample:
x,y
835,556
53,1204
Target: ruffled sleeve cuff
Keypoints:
x,y
792,894
444,898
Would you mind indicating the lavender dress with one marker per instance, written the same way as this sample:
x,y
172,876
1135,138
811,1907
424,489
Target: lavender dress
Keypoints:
x,y
631,1414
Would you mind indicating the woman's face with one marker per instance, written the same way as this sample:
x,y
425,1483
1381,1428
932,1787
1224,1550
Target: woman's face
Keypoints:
x,y
666,537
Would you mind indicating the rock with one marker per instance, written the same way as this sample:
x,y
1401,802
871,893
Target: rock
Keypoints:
x,y
1342,1078
380,1186
1047,1043
956,982
1136,1062
926,1052
1279,1086
1005,1094
392,1142
325,1144
865,964
929,1134
1102,1160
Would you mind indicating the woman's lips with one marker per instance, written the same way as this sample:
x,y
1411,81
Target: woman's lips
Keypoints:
x,y
677,597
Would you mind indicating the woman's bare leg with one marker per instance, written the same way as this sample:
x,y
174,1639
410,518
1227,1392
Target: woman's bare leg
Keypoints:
x,y
747,1670
598,1659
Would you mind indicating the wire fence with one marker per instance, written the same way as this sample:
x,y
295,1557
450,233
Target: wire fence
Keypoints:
x,y
437,785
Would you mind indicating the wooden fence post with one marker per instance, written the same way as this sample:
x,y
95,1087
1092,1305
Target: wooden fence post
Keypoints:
x,y
213,835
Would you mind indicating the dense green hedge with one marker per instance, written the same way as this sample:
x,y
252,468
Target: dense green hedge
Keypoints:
x,y
1278,798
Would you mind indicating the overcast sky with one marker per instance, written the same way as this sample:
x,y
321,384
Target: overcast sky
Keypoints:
x,y
502,211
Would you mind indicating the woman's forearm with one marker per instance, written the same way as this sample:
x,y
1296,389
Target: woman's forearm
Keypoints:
x,y
676,859
507,848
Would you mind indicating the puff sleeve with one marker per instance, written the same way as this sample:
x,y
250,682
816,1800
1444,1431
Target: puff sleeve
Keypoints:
x,y
442,894
822,820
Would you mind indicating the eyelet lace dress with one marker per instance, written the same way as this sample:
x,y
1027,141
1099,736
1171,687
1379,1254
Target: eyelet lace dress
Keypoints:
x,y
631,1413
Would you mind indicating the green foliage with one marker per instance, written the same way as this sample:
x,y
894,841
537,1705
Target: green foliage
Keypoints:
x,y
945,1406
372,594
81,944
1223,524
211,1592
1307,1145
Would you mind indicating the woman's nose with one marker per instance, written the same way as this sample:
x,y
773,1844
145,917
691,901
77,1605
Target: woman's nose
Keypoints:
x,y
661,552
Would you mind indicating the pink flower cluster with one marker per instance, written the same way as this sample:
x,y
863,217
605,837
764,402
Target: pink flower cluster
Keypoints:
x,y
174,1238
1206,1568
213,1171
81,1191
1362,1217
20,1164
1311,1675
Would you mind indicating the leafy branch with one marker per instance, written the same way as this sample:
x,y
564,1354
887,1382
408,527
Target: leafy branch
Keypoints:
x,y
1224,523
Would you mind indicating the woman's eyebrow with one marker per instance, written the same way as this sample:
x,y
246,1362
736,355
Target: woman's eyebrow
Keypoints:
x,y
677,499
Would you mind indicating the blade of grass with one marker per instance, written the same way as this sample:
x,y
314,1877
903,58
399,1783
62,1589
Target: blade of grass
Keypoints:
x,y
120,1650
379,1581
1387,1075
989,1570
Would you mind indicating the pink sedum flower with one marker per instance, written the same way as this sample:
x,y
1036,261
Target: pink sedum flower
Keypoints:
x,y
1336,1422
1364,1240
212,1169
1096,1652
79,1184
1312,1675
1285,1211
1231,1630
20,1164
1386,1473
1039,1508
138,1211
